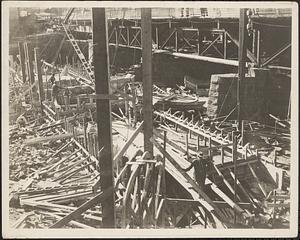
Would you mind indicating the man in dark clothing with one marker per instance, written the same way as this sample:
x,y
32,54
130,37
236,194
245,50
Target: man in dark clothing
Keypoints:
x,y
52,78
55,92
200,169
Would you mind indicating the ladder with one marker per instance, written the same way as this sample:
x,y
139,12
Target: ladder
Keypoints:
x,y
87,67
68,15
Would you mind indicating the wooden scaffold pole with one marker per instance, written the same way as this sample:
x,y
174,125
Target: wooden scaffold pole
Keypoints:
x,y
103,110
147,77
242,62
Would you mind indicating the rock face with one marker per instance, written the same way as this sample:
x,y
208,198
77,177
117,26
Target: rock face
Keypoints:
x,y
223,95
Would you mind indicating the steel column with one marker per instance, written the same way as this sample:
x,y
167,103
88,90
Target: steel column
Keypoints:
x,y
103,110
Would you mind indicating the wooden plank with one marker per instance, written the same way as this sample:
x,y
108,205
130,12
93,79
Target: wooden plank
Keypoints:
x,y
158,185
224,180
39,75
48,169
239,184
74,223
99,198
128,142
223,204
189,179
38,140
227,200
67,176
70,166
257,180
171,143
22,60
159,209
138,153
126,197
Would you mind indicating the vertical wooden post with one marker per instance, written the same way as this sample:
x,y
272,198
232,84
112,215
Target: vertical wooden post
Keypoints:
x,y
209,145
218,24
103,110
134,106
289,109
258,48
242,133
225,44
156,37
198,143
187,145
164,187
242,61
39,75
192,123
246,152
140,210
222,154
199,41
90,52
128,35
176,40
29,63
84,132
22,60
205,218
253,41
73,60
274,209
147,78
234,158
116,36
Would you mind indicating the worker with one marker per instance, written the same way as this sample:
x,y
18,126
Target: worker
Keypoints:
x,y
55,92
200,169
52,78
67,95
21,121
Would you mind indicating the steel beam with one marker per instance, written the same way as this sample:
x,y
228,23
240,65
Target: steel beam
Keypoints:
x,y
103,110
147,78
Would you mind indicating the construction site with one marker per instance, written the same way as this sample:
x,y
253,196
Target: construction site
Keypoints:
x,y
149,118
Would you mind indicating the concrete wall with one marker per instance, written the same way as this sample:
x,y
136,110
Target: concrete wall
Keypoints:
x,y
223,94
263,92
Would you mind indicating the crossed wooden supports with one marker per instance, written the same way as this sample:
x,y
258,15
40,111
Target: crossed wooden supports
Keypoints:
x,y
143,202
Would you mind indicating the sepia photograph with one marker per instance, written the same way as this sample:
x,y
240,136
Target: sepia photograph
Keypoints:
x,y
150,119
